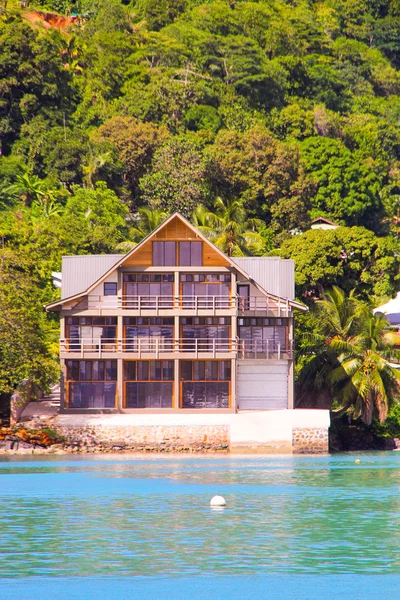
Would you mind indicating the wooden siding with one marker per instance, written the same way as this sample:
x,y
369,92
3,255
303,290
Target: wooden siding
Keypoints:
x,y
175,230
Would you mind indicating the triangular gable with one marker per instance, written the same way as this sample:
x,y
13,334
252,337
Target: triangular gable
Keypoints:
x,y
176,227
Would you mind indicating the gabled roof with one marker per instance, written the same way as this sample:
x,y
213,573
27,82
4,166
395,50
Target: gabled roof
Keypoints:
x,y
125,257
323,220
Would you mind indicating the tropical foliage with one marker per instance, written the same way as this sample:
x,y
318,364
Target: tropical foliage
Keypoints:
x,y
349,356
251,118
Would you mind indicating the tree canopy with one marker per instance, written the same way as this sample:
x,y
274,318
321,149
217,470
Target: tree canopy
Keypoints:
x,y
251,118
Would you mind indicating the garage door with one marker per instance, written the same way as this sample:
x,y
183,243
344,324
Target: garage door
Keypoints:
x,y
262,386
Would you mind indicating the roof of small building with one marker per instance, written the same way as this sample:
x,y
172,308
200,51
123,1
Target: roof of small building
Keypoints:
x,y
323,220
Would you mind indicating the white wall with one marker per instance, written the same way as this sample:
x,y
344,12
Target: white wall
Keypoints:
x,y
252,429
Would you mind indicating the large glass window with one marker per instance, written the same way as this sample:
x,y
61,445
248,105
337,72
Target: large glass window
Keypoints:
x,y
259,336
164,254
148,290
205,334
91,384
206,290
91,333
205,383
148,334
190,254
148,384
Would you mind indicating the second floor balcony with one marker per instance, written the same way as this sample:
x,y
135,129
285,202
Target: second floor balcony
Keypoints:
x,y
167,348
198,305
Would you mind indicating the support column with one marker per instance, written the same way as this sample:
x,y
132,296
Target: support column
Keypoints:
x,y
120,333
291,366
120,384
63,378
176,384
233,383
176,286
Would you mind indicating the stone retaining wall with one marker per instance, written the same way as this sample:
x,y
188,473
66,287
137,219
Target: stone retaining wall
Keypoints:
x,y
200,438
310,441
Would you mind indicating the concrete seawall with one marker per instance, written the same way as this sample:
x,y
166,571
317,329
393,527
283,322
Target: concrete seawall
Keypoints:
x,y
260,432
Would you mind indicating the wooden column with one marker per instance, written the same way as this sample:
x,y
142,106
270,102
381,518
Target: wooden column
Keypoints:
x,y
176,384
120,384
291,366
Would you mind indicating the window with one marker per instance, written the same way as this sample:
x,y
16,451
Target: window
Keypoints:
x,y
260,336
91,384
110,289
144,290
164,254
205,383
206,290
148,384
190,254
91,333
206,334
148,334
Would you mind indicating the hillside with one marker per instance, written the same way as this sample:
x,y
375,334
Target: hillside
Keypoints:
x,y
251,118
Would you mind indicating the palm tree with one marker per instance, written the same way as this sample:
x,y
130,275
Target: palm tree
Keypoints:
x,y
230,228
28,188
147,220
365,381
95,160
351,358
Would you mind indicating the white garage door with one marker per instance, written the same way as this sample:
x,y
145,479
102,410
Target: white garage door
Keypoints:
x,y
262,386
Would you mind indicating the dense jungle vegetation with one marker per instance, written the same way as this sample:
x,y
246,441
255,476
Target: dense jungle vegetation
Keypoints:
x,y
251,118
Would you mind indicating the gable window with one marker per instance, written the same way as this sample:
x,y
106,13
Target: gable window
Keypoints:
x,y
110,289
190,254
164,254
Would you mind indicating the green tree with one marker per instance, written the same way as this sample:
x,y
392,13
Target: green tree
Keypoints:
x,y
135,144
101,216
349,359
177,180
24,351
349,257
347,187
147,220
230,228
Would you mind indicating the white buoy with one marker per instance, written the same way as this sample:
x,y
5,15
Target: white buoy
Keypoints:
x,y
218,501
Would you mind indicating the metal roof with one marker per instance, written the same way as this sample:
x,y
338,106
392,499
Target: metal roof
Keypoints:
x,y
274,274
80,272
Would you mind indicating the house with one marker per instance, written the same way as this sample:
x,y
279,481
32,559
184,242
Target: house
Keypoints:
x,y
322,223
176,327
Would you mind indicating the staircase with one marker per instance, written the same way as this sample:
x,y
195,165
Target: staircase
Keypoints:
x,y
53,399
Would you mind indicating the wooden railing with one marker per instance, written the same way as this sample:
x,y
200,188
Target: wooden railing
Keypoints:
x,y
141,346
157,304
268,349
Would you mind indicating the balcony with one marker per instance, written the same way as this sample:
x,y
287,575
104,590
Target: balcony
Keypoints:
x,y
164,348
185,305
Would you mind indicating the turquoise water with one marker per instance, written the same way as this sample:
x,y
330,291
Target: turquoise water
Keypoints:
x,y
122,527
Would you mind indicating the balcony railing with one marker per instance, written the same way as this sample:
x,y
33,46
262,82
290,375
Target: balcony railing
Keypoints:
x,y
263,304
242,349
268,349
213,304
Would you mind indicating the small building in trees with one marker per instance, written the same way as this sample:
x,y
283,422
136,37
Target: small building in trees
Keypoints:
x,y
175,329
322,223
